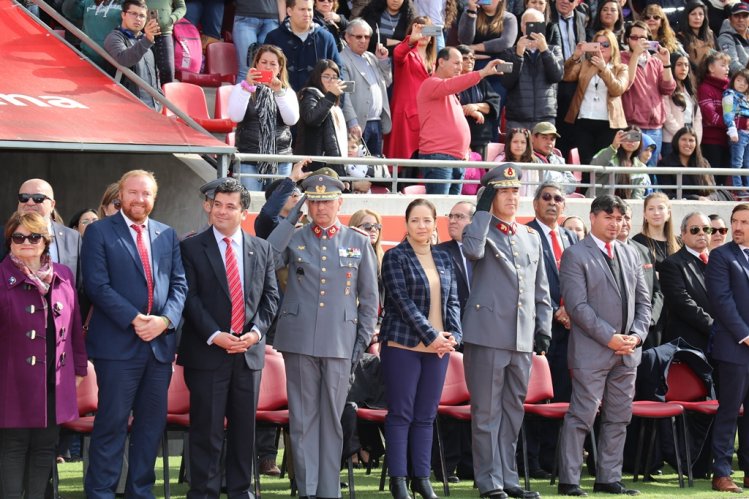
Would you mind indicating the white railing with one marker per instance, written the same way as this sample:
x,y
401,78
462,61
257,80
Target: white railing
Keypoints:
x,y
608,172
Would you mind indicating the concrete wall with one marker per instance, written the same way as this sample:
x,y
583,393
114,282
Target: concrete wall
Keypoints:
x,y
79,179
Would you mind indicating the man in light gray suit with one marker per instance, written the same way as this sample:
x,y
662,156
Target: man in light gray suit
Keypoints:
x,y
367,111
324,326
508,306
607,299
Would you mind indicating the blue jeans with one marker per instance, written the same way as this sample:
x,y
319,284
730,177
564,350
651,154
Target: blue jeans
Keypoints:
x,y
443,174
208,14
259,184
740,158
413,385
372,135
246,31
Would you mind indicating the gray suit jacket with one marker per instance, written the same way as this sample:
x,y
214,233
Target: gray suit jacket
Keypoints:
x,y
509,302
593,302
330,305
68,242
357,106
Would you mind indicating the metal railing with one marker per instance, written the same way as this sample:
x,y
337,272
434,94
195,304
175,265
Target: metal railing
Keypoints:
x,y
592,186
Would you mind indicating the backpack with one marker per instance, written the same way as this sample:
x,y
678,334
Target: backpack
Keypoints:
x,y
188,50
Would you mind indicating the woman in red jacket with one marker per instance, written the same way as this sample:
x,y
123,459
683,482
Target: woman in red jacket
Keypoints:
x,y
714,81
414,60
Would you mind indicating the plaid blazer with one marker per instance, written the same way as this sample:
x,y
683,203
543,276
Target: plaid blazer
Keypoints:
x,y
406,319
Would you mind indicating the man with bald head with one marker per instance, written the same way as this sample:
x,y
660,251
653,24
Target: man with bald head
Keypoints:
x,y
36,195
537,67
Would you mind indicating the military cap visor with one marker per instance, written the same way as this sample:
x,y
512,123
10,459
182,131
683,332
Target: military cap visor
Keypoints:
x,y
322,187
502,176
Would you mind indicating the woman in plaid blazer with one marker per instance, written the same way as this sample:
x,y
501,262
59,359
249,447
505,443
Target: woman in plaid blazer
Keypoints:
x,y
420,328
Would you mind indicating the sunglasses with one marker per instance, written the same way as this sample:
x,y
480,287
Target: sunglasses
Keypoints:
x,y
720,230
652,18
696,230
547,196
19,238
369,227
37,198
605,45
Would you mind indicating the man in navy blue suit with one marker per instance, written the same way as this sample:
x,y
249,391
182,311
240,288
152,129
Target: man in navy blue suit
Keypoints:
x,y
727,282
133,274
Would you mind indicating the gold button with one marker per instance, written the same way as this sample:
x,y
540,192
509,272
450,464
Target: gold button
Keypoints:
x,y
299,259
322,281
324,248
323,269
322,304
322,293
324,257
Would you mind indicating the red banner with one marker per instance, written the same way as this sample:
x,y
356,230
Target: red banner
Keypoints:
x,y
49,94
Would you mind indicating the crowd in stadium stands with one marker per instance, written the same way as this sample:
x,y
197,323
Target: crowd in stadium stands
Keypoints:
x,y
611,83
588,68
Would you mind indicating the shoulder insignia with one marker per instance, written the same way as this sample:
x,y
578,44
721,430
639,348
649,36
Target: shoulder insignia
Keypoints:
x,y
531,230
360,231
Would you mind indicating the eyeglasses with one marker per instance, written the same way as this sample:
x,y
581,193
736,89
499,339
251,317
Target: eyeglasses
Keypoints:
x,y
328,78
638,37
547,196
720,230
652,17
32,238
696,230
136,15
457,216
370,227
361,37
36,198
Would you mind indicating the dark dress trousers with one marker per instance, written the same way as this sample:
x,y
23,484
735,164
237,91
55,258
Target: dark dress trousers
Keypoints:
x,y
223,385
682,279
728,291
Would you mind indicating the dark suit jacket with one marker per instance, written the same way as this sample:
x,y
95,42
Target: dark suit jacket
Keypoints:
x,y
552,272
407,297
114,280
682,279
208,304
464,288
728,291
657,319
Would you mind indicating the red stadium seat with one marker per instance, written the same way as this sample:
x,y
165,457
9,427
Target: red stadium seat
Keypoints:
x,y
493,149
220,67
221,107
191,100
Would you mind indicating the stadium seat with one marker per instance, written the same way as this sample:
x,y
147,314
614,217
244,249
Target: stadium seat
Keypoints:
x,y
221,107
414,190
191,99
220,67
493,149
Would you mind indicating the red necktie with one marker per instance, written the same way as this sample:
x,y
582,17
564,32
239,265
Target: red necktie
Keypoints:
x,y
556,247
143,253
608,250
703,257
235,289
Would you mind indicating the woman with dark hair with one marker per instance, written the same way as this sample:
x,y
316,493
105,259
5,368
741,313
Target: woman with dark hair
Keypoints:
x,y
660,29
414,60
82,219
420,328
38,391
695,34
682,108
624,151
390,20
686,152
325,15
322,129
518,149
608,17
264,111
596,109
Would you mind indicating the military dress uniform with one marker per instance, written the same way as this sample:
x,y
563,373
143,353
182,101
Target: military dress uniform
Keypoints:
x,y
509,304
324,325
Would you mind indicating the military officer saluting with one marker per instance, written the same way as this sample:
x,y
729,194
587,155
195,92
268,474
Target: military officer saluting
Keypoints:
x,y
508,308
327,318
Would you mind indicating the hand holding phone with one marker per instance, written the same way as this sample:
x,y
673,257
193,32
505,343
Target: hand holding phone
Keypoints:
x,y
431,30
591,47
261,75
535,27
349,86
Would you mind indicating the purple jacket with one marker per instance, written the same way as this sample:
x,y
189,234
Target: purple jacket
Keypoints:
x,y
23,371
